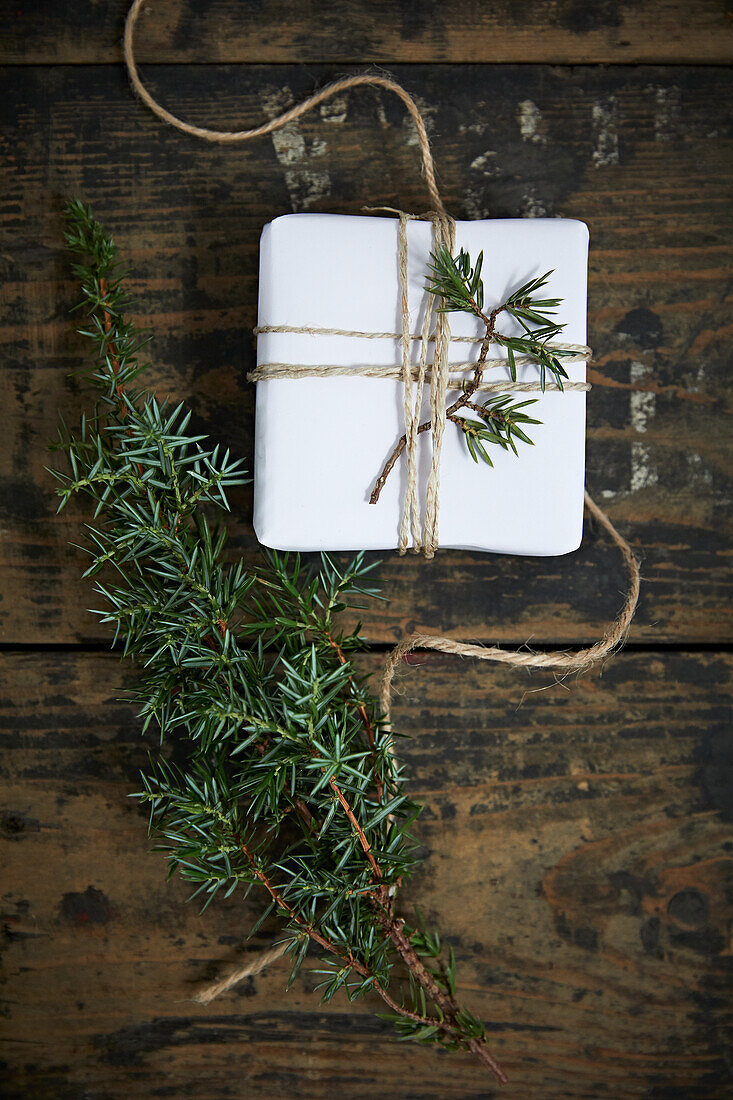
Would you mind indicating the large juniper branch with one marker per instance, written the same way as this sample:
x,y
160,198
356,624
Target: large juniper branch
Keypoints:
x,y
287,780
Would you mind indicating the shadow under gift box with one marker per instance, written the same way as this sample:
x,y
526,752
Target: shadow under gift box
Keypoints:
x,y
320,443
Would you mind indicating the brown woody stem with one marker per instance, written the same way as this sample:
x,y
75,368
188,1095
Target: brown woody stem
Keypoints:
x,y
327,945
114,359
356,827
445,1002
371,738
464,399
394,928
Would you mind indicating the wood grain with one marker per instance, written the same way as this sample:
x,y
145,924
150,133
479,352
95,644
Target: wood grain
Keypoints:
x,y
385,31
638,153
577,837
577,858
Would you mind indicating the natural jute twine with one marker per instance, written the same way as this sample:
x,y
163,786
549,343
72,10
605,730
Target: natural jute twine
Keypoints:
x,y
440,381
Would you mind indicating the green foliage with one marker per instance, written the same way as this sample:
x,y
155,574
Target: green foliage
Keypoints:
x,y
460,286
535,316
284,776
456,281
500,424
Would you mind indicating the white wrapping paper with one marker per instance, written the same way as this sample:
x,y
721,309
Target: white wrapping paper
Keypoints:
x,y
320,443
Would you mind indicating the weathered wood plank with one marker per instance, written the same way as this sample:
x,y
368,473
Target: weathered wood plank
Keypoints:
x,y
352,32
578,855
640,154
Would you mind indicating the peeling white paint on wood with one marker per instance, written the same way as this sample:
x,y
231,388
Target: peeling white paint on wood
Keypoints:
x,y
335,110
475,206
699,476
306,182
643,472
531,123
642,407
428,112
666,111
603,116
486,165
532,207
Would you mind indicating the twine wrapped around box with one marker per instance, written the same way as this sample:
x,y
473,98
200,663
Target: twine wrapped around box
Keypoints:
x,y
441,376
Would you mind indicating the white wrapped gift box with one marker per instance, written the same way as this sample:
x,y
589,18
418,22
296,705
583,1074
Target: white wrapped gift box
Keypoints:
x,y
321,442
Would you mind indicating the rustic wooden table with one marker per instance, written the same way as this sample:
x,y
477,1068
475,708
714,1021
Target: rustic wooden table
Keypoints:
x,y
577,836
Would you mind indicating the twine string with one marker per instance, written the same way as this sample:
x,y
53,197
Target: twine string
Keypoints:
x,y
410,510
338,370
425,541
314,330
255,965
440,380
580,660
444,229
233,137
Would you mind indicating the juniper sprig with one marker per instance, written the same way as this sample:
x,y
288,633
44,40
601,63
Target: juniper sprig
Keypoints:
x,y
458,283
286,779
500,423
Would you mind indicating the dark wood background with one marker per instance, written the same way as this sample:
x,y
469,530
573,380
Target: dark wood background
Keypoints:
x,y
578,837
